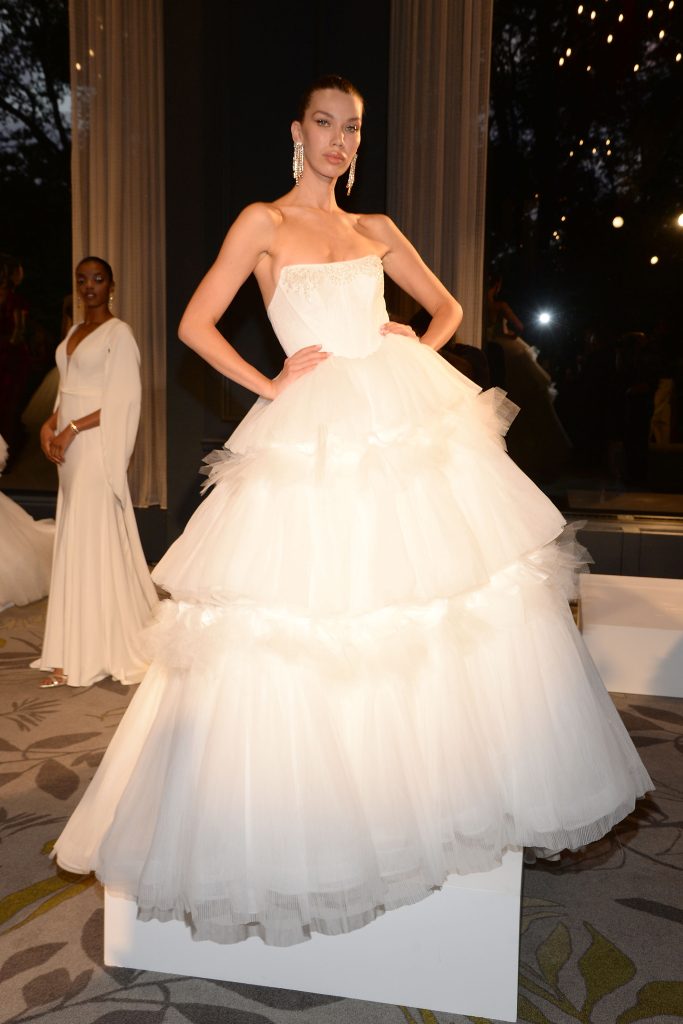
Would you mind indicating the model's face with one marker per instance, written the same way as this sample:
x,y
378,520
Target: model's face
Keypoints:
x,y
93,284
330,131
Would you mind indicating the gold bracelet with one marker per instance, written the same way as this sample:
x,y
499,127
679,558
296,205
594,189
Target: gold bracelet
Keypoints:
x,y
73,426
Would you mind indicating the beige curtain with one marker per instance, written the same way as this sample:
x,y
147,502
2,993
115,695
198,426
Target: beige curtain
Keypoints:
x,y
117,175
438,125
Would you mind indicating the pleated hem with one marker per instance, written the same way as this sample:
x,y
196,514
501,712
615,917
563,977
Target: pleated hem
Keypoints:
x,y
286,919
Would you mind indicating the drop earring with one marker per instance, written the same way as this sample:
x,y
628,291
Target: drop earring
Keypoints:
x,y
352,174
298,161
110,301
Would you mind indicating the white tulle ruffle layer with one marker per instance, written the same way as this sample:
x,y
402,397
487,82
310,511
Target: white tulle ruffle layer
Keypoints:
x,y
371,482
25,554
276,776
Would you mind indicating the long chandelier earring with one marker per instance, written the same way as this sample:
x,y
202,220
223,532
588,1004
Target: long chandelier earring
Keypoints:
x,y
110,301
352,174
298,161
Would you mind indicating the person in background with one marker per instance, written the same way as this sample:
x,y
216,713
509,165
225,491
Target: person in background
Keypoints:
x,y
536,440
15,362
637,364
101,593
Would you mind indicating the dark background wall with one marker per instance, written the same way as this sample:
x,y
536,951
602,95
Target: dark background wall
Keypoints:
x,y
234,73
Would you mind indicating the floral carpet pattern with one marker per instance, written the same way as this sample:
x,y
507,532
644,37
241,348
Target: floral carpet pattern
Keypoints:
x,y
602,931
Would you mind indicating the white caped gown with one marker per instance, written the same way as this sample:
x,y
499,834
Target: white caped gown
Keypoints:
x,y
368,675
25,550
101,592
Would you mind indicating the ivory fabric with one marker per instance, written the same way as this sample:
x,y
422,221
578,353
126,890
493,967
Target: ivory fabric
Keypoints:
x,y
101,593
118,194
438,135
368,676
25,550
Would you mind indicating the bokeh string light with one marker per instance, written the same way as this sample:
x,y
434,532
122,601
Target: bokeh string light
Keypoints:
x,y
606,18
587,44
615,65
598,137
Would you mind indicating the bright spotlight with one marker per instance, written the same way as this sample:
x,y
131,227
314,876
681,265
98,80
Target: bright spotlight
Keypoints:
x,y
544,318
654,260
618,222
679,220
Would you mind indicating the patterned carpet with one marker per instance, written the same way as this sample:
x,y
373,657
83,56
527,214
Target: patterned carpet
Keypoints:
x,y
602,932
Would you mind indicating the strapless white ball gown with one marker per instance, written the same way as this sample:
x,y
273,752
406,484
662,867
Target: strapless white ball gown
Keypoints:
x,y
368,675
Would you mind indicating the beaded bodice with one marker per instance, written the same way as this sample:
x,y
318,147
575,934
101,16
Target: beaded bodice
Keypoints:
x,y
337,305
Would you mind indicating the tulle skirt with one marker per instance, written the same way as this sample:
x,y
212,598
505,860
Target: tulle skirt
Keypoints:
x,y
368,676
25,554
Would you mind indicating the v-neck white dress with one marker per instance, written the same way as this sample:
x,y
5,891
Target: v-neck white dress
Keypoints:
x,y
101,593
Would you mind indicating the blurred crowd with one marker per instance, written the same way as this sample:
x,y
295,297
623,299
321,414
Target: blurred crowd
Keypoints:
x,y
26,353
622,395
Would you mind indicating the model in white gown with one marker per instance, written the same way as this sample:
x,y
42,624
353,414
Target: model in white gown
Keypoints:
x,y
368,675
25,550
101,593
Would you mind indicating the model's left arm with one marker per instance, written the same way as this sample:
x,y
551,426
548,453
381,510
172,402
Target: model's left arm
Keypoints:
x,y
120,412
403,264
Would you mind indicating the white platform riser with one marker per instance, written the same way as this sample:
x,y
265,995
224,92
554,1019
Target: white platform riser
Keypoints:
x,y
455,952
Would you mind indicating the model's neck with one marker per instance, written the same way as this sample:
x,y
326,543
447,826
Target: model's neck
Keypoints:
x,y
96,317
316,192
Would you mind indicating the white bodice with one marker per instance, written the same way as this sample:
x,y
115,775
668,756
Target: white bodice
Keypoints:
x,y
337,305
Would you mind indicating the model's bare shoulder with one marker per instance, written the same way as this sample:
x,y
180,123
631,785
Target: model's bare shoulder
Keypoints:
x,y
266,213
250,236
379,228
258,219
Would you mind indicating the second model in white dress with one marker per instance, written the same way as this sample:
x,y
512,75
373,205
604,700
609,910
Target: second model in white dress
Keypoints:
x,y
368,676
101,593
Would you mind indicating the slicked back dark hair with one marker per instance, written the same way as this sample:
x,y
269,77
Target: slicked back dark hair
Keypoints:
x,y
102,263
337,82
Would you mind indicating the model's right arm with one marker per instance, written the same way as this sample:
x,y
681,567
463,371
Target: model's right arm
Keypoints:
x,y
47,432
246,243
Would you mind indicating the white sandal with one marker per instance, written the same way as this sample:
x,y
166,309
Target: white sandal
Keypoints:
x,y
55,679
